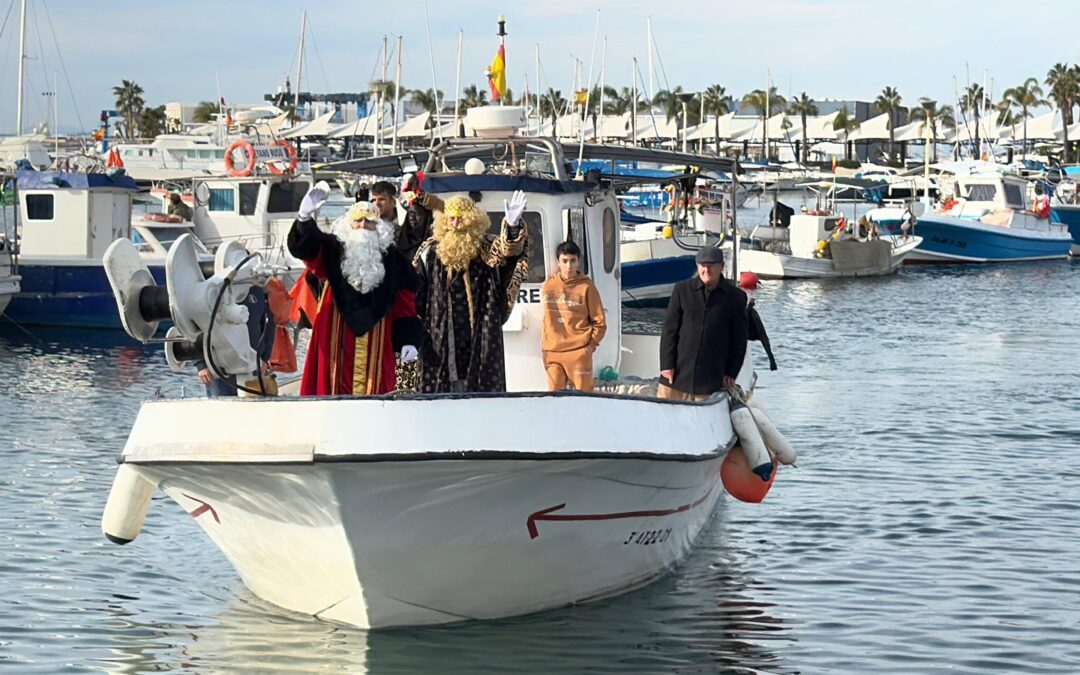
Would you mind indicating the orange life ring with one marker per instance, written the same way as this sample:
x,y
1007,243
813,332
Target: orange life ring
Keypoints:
x,y
162,218
291,152
230,166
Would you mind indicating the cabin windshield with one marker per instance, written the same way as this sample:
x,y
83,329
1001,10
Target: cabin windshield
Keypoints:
x,y
286,197
533,221
981,193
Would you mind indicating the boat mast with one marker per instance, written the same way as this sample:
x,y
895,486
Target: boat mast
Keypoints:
x,y
56,118
457,82
300,61
22,67
648,39
539,93
633,98
397,93
603,77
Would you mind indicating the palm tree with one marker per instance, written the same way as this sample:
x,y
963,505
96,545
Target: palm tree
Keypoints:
x,y
803,105
670,101
888,101
717,102
929,112
762,102
152,121
1064,84
204,112
972,101
551,104
428,99
846,123
623,101
1026,96
472,97
594,104
129,102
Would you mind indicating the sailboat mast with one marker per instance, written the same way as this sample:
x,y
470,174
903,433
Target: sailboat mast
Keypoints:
x,y
397,92
457,82
299,62
648,38
22,67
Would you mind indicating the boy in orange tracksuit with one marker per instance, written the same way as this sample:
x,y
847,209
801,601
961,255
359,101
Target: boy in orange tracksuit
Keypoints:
x,y
574,322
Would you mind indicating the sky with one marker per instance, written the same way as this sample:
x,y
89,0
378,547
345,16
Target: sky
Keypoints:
x,y
831,49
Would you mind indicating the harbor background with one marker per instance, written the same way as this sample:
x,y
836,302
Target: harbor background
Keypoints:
x,y
931,524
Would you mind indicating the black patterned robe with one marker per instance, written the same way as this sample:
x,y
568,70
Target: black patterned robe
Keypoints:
x,y
463,314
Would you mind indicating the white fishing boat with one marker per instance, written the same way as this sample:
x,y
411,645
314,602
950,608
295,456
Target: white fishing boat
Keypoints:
x,y
422,509
820,243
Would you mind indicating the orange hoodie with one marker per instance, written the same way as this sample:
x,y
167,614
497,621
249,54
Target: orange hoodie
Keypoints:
x,y
573,314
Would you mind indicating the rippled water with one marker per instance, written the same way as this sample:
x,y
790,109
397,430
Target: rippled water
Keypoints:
x,y
931,524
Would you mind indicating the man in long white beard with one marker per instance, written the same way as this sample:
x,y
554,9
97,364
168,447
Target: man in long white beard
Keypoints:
x,y
367,309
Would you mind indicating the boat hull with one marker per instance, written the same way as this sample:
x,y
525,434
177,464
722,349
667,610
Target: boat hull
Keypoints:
x,y
67,293
957,240
1069,215
769,265
407,524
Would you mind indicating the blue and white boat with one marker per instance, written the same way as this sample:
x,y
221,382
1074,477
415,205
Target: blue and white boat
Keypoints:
x,y
1065,209
987,220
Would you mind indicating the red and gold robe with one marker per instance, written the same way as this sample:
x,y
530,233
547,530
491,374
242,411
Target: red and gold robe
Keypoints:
x,y
355,335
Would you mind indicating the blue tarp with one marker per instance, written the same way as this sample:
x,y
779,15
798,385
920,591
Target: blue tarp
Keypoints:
x,y
493,183
49,180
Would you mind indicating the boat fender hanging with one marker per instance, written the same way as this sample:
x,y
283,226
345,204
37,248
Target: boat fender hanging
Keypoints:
x,y
757,454
243,146
774,440
125,510
740,481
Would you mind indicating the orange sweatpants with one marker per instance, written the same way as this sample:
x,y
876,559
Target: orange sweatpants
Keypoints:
x,y
573,366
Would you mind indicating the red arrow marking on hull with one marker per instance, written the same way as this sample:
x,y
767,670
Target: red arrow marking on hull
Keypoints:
x,y
202,509
548,514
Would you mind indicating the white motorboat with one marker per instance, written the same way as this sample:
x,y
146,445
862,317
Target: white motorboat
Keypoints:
x,y
820,244
423,509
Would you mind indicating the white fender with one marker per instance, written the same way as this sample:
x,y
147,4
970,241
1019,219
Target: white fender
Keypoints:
x,y
757,455
126,508
775,440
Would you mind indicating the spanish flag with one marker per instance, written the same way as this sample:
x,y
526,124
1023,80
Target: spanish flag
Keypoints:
x,y
497,74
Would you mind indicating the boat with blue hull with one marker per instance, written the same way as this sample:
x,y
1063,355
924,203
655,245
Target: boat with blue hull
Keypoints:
x,y
986,221
67,221
1065,209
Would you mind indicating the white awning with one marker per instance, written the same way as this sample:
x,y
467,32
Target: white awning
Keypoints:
x,y
873,129
818,128
988,130
415,127
361,127
776,129
320,126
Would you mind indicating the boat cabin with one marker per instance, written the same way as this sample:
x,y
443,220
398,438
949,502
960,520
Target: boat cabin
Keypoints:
x,y
977,195
254,210
559,209
72,215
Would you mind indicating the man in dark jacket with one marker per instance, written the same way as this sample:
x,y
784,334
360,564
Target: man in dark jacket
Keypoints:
x,y
703,341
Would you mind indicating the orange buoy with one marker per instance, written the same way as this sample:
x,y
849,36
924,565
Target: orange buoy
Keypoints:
x,y
740,481
748,280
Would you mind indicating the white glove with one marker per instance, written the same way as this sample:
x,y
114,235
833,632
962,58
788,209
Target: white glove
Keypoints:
x,y
515,207
314,200
409,354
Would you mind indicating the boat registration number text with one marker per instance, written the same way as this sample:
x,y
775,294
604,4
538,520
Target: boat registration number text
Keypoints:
x,y
644,538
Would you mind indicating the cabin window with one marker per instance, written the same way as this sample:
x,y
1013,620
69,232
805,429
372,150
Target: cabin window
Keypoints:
x,y
249,198
574,219
219,154
286,197
204,154
535,224
981,193
611,239
222,199
1014,196
831,223
39,207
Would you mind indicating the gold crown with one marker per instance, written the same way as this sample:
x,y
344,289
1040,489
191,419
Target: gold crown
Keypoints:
x,y
363,211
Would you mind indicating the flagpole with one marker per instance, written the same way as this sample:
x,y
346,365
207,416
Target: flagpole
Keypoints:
x,y
502,50
457,81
